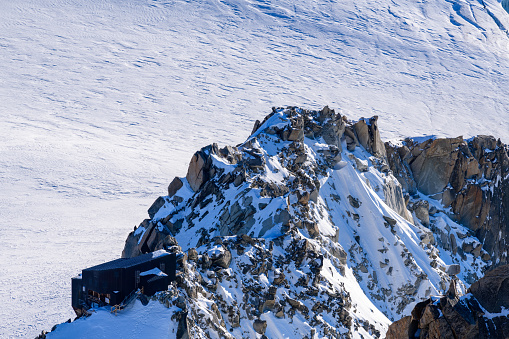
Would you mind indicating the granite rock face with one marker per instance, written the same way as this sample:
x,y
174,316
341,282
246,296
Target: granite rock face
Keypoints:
x,y
492,291
471,177
478,314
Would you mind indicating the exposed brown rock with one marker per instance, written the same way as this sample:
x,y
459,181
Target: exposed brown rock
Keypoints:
x,y
174,186
395,199
399,329
421,210
433,163
192,254
156,206
456,317
368,136
200,167
492,291
222,260
398,159
472,178
333,126
260,326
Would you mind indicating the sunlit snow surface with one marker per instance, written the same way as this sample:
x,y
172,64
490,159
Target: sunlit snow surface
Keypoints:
x,y
103,102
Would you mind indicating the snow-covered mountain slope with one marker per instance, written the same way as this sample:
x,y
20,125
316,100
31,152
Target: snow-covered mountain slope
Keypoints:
x,y
152,321
102,101
300,231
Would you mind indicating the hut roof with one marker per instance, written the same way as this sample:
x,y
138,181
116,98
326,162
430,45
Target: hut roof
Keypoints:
x,y
128,262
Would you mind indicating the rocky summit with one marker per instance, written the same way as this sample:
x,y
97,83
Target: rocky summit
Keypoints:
x,y
316,228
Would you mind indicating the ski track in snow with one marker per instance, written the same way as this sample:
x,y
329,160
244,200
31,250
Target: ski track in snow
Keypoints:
x,y
103,102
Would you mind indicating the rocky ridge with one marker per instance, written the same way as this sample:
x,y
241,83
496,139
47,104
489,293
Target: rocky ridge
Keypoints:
x,y
482,313
316,227
470,178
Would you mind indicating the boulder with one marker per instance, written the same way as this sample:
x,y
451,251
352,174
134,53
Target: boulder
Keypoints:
x,y
174,186
333,127
399,329
155,207
351,139
200,167
368,136
192,254
453,269
296,134
454,244
354,202
362,166
196,173
223,259
429,314
260,326
399,158
395,199
390,221
421,210
312,228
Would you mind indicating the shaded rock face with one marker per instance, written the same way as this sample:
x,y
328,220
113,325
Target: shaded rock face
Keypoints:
x,y
368,136
395,199
149,236
492,291
452,316
471,177
174,186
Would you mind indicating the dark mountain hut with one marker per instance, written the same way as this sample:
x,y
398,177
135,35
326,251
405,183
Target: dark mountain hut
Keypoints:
x,y
111,282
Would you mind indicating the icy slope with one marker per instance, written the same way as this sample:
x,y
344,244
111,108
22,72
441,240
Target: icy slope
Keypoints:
x,y
95,95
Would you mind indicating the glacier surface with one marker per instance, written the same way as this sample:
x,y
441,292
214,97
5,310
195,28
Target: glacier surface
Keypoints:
x,y
103,102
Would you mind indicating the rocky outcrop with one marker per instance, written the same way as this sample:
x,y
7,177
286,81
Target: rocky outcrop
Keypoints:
x,y
433,162
492,291
292,199
149,236
471,177
200,168
174,186
480,314
395,198
368,135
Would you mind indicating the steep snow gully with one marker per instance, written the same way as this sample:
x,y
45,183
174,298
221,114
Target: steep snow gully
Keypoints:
x,y
304,230
102,101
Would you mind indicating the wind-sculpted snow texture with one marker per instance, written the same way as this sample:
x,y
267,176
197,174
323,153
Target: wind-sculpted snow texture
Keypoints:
x,y
101,101
298,213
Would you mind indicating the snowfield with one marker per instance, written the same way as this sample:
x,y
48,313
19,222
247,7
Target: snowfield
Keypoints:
x,y
103,102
